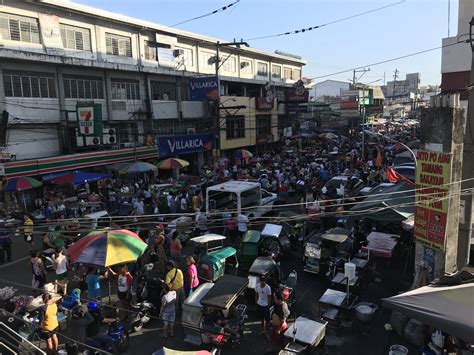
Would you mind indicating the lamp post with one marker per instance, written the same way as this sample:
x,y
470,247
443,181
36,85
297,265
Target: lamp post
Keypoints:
x,y
218,65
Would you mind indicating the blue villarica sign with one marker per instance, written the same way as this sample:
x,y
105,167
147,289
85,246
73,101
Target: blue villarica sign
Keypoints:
x,y
170,146
204,88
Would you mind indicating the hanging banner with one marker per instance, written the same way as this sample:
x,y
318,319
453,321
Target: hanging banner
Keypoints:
x,y
89,120
51,33
204,88
433,176
169,146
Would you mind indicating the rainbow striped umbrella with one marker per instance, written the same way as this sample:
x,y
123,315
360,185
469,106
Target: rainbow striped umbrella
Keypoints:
x,y
172,163
243,154
107,247
138,167
20,184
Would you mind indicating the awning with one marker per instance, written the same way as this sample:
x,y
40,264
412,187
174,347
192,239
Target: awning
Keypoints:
x,y
450,309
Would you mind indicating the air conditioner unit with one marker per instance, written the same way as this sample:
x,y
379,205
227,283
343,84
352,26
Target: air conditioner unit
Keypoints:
x,y
190,130
110,136
178,52
90,141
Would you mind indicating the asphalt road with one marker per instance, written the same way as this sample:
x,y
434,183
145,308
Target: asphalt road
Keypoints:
x,y
309,289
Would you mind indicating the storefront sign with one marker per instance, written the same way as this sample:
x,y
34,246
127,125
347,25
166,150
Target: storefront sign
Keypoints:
x,y
169,146
295,95
433,175
204,88
264,103
89,120
349,105
166,57
5,156
51,34
429,259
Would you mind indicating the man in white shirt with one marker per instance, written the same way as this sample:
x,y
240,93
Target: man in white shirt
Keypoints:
x,y
139,207
201,222
242,224
263,298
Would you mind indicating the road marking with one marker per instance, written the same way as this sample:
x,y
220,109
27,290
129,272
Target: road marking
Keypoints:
x,y
13,262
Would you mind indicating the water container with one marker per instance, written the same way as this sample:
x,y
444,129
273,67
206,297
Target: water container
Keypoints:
x,y
350,271
398,350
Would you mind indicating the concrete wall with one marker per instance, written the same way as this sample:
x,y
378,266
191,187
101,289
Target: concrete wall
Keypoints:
x,y
328,88
456,58
466,12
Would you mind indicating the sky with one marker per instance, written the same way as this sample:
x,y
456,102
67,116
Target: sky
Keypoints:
x,y
405,28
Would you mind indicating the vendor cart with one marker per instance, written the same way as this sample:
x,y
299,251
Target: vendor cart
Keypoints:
x,y
304,335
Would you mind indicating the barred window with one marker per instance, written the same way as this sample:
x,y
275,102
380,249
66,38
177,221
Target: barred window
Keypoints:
x,y
83,87
19,28
164,91
276,72
235,127
76,38
262,69
125,89
118,45
29,84
228,63
264,124
150,50
246,67
296,74
287,73
206,60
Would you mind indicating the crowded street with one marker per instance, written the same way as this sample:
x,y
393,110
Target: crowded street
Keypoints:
x,y
165,191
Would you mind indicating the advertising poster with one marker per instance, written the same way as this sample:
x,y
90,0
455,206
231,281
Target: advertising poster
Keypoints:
x,y
89,120
204,88
433,176
169,146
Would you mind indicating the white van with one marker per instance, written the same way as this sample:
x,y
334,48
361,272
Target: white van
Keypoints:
x,y
243,197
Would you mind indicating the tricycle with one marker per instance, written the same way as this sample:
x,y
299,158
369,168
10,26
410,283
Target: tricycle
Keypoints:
x,y
276,240
213,265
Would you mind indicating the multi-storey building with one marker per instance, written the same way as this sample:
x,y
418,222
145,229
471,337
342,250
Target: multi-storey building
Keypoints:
x,y
57,54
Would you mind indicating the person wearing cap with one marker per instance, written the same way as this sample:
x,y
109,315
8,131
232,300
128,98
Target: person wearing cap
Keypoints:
x,y
175,279
263,298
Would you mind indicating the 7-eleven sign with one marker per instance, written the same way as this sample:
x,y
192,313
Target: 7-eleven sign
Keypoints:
x,y
89,120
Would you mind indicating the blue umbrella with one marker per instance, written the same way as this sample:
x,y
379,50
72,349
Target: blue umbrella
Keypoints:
x,y
77,178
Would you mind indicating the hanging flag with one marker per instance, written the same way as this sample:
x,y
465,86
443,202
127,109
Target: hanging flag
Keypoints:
x,y
395,177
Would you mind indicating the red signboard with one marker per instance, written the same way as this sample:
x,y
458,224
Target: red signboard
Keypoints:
x,y
262,103
294,95
349,105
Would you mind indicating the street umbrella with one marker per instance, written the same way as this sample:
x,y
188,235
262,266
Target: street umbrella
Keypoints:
x,y
76,178
243,154
328,135
107,247
20,184
172,163
166,351
450,309
138,167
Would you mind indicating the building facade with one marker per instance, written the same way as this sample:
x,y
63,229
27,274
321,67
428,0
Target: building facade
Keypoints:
x,y
329,91
57,55
402,90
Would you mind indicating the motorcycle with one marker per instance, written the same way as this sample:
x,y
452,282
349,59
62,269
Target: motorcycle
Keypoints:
x,y
149,288
119,336
145,310
288,289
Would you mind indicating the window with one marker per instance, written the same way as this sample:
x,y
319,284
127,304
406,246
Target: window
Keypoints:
x,y
287,73
262,69
125,89
235,127
264,124
187,56
276,72
83,87
76,38
205,59
150,50
246,67
118,45
29,84
164,91
296,74
185,91
228,63
19,28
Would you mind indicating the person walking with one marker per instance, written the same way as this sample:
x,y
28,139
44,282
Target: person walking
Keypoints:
x,y
161,252
263,297
242,224
201,223
28,231
168,309
193,280
5,246
175,247
60,265
38,270
175,279
49,324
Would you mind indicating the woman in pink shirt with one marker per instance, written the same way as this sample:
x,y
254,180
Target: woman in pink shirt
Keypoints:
x,y
193,280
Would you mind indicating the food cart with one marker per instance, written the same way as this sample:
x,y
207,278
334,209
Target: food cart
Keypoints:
x,y
304,335
250,248
213,265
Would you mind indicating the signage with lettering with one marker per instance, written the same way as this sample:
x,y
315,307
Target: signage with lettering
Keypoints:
x,y
297,95
89,120
169,146
166,57
263,103
204,88
433,175
51,34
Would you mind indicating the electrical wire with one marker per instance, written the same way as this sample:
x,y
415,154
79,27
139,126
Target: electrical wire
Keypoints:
x,y
221,9
386,60
303,30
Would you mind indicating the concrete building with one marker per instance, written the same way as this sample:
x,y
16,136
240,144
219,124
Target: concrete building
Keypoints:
x,y
400,90
328,91
456,58
58,54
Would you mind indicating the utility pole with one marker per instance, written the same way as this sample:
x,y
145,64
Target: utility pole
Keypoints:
x,y
466,210
354,80
217,102
395,77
